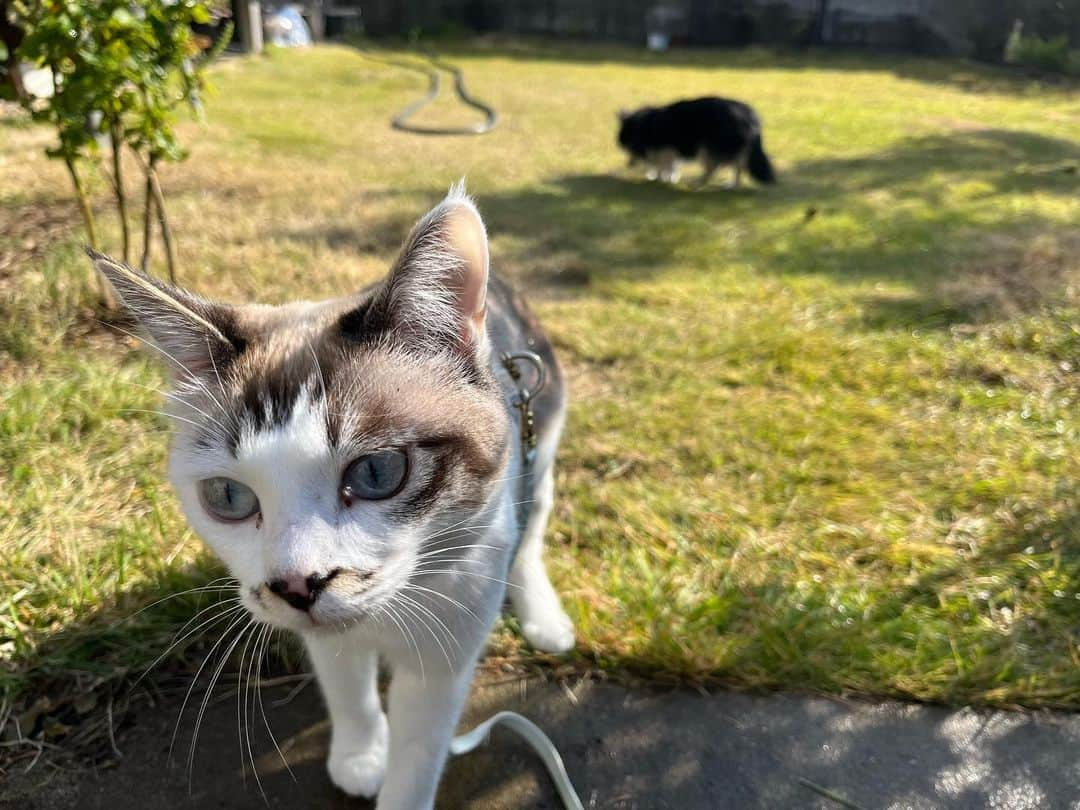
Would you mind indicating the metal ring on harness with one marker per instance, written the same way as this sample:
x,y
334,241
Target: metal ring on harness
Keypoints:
x,y
525,394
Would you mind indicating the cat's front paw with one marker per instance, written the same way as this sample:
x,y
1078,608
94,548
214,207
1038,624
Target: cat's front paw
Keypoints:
x,y
359,771
553,632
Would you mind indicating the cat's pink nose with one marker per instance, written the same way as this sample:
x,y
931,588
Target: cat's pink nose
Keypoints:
x,y
300,591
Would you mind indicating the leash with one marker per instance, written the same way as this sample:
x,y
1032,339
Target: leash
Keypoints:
x,y
526,729
521,401
537,740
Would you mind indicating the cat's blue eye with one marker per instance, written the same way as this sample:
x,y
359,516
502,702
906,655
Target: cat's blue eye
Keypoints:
x,y
227,499
375,476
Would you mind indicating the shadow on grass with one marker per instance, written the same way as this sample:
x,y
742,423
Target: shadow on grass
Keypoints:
x,y
590,228
65,686
579,230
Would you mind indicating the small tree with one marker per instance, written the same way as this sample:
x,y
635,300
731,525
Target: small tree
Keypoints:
x,y
120,69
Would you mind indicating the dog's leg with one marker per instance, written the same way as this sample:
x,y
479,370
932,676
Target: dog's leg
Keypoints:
x,y
740,164
669,167
708,168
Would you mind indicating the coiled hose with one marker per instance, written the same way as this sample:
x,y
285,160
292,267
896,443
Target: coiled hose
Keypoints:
x,y
431,70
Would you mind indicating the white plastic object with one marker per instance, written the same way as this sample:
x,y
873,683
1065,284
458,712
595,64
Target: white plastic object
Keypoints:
x,y
537,740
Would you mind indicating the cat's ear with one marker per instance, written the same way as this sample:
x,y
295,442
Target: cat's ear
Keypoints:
x,y
623,114
193,335
436,293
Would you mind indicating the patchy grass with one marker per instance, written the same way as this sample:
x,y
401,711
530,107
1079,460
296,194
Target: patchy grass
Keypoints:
x,y
824,435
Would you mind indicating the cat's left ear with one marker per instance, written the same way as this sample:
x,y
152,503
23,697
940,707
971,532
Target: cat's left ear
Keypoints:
x,y
195,336
436,295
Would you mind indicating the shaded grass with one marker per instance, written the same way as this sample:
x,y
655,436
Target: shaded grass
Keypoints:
x,y
823,435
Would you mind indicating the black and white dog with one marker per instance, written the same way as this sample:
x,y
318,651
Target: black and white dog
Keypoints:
x,y
716,131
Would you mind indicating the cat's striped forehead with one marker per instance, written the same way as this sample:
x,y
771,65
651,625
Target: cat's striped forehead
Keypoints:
x,y
330,357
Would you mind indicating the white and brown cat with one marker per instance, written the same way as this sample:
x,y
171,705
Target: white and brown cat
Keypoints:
x,y
356,464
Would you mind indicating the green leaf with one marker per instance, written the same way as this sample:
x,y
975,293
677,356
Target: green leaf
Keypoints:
x,y
123,18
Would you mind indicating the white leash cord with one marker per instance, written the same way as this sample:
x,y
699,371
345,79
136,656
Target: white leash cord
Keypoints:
x,y
537,740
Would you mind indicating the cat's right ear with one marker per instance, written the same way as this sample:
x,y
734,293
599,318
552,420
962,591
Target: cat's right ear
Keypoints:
x,y
193,335
623,114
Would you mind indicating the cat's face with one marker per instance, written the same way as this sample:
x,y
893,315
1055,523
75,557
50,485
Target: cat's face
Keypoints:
x,y
324,450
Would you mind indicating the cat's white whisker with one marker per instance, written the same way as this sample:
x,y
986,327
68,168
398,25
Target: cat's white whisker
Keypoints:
x,y
510,478
322,384
267,635
195,680
450,636
240,686
248,688
453,526
450,528
451,600
476,527
462,560
209,586
184,403
217,376
243,632
419,622
446,535
166,414
231,611
437,551
427,572
404,628
190,377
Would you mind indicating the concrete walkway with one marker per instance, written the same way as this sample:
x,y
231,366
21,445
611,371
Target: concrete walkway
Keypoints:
x,y
624,749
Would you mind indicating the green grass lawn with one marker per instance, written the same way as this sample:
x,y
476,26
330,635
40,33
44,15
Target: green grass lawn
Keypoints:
x,y
824,435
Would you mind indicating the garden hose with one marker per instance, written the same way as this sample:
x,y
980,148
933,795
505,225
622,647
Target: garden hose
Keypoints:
x,y
431,70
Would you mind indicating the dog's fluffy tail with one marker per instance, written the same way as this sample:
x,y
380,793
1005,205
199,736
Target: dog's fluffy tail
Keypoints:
x,y
760,167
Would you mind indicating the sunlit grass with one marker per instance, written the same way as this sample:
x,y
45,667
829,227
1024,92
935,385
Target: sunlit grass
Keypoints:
x,y
824,435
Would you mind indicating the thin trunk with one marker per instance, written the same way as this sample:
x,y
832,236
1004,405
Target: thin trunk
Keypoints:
x,y
84,203
15,76
148,223
106,291
118,187
12,36
163,220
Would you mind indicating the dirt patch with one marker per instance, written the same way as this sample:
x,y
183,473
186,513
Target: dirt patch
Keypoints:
x,y
27,230
1017,276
